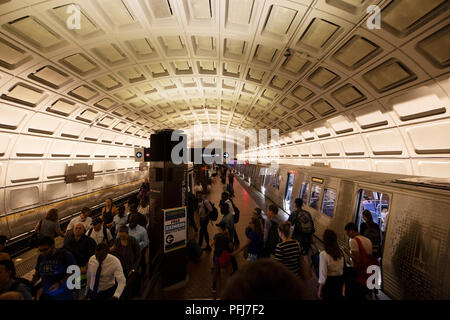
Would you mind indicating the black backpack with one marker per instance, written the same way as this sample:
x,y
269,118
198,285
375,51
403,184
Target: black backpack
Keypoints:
x,y
373,234
303,223
236,212
214,214
272,238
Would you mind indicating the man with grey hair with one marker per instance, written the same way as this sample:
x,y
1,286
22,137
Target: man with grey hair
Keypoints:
x,y
82,247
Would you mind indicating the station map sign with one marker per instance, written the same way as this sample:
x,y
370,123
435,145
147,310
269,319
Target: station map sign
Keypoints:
x,y
174,229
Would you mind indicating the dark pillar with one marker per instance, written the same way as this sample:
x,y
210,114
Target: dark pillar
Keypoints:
x,y
167,181
201,174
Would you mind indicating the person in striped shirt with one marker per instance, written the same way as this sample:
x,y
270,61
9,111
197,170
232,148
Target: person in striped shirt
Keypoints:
x,y
288,250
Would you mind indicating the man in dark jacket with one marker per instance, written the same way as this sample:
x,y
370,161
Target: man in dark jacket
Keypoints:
x,y
303,226
82,247
141,219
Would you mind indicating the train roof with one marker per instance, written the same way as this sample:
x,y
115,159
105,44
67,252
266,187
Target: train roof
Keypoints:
x,y
416,183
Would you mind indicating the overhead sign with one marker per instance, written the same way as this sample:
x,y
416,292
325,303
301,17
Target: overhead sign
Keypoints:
x,y
79,172
174,229
318,180
139,154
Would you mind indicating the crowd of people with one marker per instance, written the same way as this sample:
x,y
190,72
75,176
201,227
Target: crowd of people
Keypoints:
x,y
341,272
101,258
111,251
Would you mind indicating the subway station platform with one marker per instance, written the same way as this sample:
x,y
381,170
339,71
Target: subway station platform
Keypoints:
x,y
199,278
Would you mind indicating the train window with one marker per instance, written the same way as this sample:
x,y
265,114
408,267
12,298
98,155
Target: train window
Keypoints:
x,y
315,195
329,199
378,205
303,192
288,194
263,187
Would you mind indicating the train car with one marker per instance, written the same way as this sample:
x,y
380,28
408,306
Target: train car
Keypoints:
x,y
413,214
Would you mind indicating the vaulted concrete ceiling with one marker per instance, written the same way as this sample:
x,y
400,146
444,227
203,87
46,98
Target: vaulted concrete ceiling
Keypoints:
x,y
310,68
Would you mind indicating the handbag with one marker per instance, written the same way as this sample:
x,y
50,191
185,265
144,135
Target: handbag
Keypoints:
x,y
366,261
224,259
305,270
34,239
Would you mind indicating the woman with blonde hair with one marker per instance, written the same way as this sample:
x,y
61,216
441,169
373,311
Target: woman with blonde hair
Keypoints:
x,y
49,227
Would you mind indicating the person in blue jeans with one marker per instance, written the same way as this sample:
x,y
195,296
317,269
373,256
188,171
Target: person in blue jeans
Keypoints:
x,y
51,267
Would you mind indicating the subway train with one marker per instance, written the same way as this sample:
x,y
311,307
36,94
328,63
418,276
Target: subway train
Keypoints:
x,y
413,212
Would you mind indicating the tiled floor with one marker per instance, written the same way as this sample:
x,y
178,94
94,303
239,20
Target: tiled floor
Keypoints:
x,y
200,278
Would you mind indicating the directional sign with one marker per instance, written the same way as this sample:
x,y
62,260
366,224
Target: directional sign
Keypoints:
x,y
169,239
174,229
226,155
139,154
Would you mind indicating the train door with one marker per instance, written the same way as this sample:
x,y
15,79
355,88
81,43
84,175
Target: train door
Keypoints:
x,y
263,188
377,203
304,192
288,192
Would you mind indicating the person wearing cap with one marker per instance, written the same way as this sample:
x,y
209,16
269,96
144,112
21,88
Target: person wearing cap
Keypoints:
x,y
99,232
83,218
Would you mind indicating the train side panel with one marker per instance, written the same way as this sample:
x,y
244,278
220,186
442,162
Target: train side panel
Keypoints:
x,y
416,254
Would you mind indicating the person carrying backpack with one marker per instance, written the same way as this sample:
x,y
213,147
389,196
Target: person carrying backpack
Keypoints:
x,y
204,210
371,230
303,226
99,233
235,212
271,237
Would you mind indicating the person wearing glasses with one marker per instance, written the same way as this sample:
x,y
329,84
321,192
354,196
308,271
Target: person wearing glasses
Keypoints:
x,y
51,267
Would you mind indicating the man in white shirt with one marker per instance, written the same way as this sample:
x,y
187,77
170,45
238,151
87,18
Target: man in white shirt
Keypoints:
x,y
99,233
104,270
83,218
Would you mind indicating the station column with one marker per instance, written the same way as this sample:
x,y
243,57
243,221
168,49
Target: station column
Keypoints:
x,y
167,209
